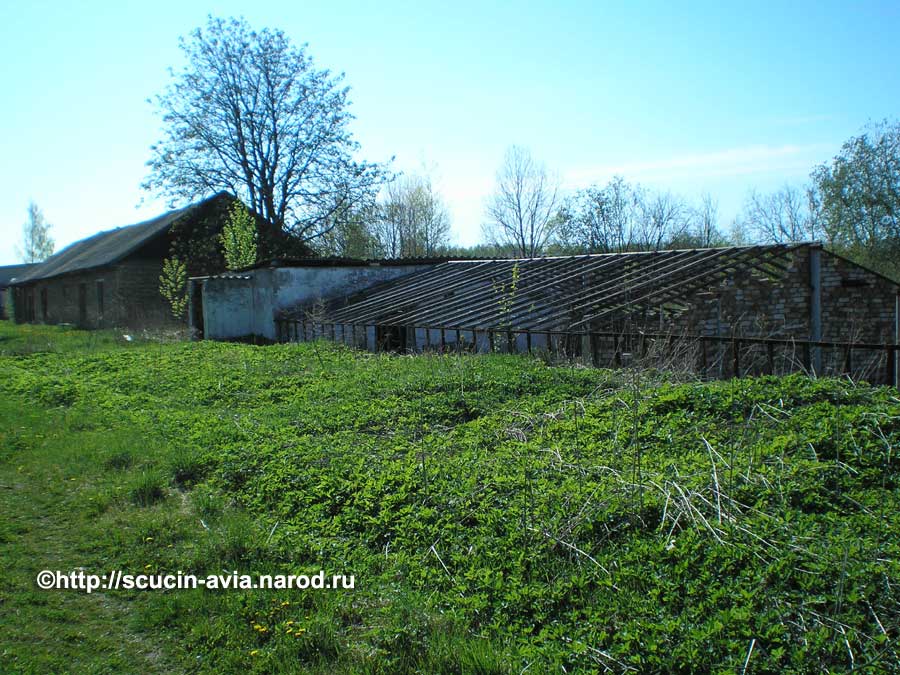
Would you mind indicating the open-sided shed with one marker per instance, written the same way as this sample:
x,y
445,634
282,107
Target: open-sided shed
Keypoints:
x,y
596,306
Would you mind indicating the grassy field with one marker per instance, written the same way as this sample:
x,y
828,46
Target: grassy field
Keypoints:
x,y
498,515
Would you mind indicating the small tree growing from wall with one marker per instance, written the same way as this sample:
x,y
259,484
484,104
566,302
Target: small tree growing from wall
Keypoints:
x,y
239,238
173,285
506,296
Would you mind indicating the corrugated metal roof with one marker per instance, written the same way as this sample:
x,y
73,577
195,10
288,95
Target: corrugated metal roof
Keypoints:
x,y
560,293
10,272
108,248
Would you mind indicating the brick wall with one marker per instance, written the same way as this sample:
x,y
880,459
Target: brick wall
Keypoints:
x,y
125,295
856,305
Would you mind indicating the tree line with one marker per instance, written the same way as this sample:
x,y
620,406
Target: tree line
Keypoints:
x,y
851,204
251,113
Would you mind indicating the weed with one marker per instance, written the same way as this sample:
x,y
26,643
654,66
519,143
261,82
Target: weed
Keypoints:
x,y
498,515
147,488
187,466
119,460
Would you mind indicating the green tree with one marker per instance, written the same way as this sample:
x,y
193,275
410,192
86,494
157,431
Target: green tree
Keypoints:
x,y
173,285
37,245
251,115
857,197
239,237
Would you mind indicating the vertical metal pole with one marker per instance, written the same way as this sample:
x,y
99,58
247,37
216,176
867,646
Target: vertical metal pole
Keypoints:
x,y
892,365
815,305
736,356
896,368
704,368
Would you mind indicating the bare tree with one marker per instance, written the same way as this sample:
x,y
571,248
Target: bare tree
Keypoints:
x,y
706,222
781,216
37,245
251,115
523,211
412,220
663,218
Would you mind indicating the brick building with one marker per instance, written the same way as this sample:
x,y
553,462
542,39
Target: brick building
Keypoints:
x,y
7,274
111,279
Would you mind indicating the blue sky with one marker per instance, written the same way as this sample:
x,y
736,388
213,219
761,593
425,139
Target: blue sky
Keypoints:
x,y
689,97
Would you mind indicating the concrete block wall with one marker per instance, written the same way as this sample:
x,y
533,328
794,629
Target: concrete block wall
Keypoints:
x,y
240,305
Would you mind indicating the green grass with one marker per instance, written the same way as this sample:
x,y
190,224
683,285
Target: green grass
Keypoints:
x,y
498,514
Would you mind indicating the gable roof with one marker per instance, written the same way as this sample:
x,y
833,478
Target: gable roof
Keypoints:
x,y
10,272
553,293
108,248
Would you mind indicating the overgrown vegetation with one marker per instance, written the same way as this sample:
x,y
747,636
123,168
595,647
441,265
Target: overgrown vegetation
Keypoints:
x,y
498,514
173,285
239,237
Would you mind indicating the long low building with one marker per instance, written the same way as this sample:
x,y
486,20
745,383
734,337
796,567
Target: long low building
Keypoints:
x,y
595,306
111,279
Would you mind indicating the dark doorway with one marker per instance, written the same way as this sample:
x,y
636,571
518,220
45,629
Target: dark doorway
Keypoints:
x,y
82,305
390,338
100,302
196,298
